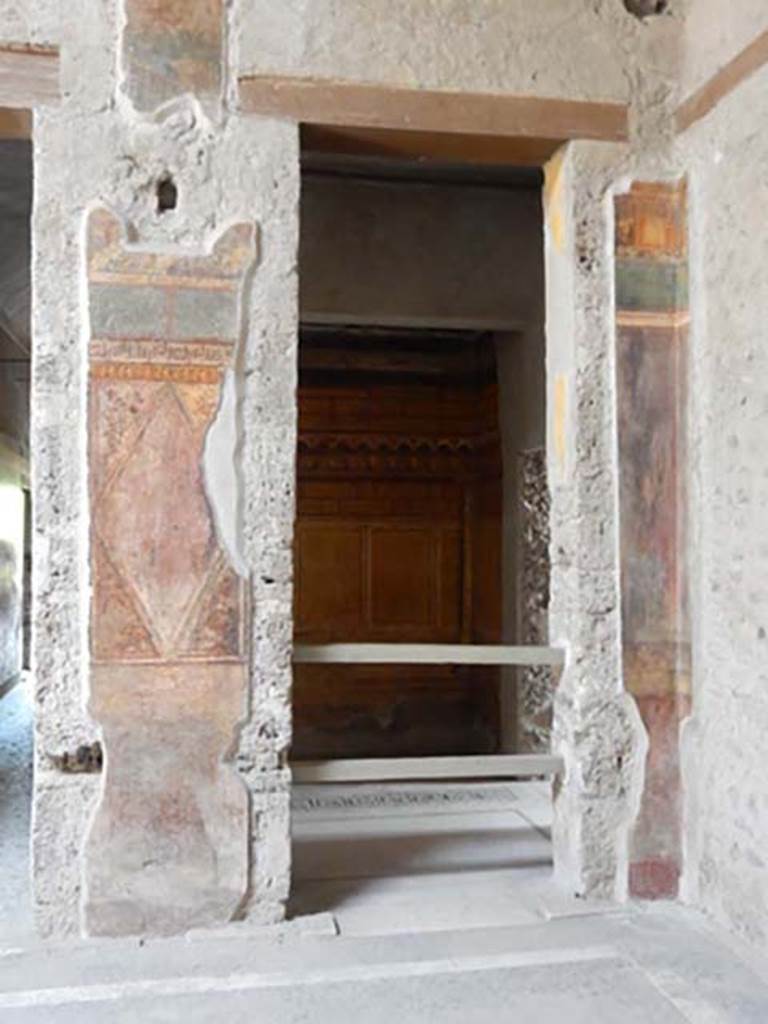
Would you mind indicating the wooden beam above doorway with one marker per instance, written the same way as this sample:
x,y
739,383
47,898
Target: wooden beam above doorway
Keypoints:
x,y
426,146
330,102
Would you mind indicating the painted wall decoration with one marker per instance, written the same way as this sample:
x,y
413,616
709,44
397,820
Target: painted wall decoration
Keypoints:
x,y
168,846
651,355
172,47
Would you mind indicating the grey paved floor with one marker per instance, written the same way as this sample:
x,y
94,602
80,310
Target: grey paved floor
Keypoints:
x,y
408,909
660,965
479,857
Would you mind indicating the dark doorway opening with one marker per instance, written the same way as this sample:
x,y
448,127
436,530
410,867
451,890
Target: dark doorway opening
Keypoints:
x,y
398,538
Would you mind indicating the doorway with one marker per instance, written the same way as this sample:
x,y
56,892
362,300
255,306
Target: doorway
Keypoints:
x,y
398,538
422,518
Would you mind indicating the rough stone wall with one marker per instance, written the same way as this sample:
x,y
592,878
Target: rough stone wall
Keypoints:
x,y
726,812
537,684
597,727
96,150
521,383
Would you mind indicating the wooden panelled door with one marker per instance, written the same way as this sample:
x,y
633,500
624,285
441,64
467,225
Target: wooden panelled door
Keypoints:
x,y
397,540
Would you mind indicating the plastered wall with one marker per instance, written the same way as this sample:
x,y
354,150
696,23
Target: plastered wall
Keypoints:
x,y
563,47
726,814
38,21
715,35
410,253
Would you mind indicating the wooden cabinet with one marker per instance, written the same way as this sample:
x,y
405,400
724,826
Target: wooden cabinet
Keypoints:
x,y
397,539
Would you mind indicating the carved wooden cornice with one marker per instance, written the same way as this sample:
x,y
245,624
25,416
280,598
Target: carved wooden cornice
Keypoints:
x,y
354,442
348,454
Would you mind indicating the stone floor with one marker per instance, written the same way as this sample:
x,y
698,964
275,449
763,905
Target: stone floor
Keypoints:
x,y
414,904
659,965
393,858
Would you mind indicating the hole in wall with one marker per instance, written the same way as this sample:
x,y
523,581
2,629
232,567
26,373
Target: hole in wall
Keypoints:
x,y
646,8
167,194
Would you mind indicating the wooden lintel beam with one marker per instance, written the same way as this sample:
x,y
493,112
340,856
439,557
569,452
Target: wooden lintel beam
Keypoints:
x,y
331,102
29,76
314,318
434,146
426,654
402,769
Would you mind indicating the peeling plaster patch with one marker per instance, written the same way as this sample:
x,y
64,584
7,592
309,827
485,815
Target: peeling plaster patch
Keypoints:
x,y
172,48
220,474
176,142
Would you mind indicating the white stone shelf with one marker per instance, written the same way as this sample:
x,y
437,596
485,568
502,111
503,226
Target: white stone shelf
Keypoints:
x,y
383,769
429,654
